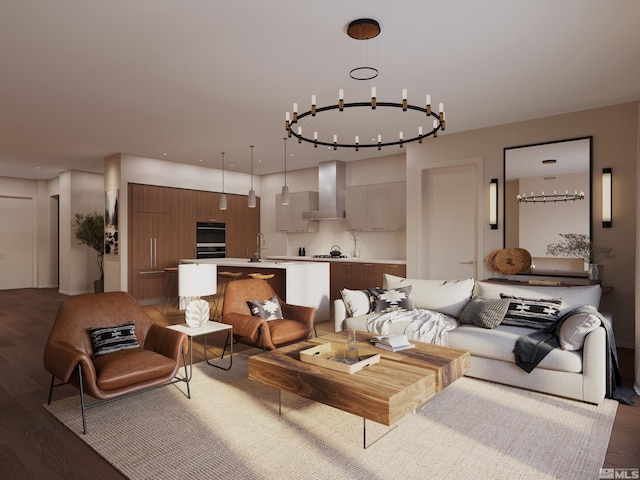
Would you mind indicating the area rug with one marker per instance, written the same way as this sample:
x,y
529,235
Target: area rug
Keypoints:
x,y
231,429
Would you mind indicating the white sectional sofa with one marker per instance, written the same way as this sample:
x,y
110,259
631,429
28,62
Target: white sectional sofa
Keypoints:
x,y
577,371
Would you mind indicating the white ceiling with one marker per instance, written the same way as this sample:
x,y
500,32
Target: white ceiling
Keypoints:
x,y
81,80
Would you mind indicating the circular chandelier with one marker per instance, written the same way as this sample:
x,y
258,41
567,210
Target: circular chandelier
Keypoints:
x,y
365,29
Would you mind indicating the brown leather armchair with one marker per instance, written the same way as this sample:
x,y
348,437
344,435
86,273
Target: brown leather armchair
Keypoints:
x,y
68,354
297,324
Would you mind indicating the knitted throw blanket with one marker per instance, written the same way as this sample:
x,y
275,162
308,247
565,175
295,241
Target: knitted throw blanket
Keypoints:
x,y
531,349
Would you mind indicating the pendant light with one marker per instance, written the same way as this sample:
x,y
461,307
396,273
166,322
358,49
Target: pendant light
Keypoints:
x,y
252,192
285,190
222,204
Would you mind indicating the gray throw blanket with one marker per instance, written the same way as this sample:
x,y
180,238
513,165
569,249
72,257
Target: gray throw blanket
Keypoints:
x,y
531,349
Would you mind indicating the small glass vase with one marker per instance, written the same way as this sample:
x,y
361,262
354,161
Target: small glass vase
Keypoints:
x,y
351,348
596,272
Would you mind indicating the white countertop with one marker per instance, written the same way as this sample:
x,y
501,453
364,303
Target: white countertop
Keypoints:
x,y
352,260
283,263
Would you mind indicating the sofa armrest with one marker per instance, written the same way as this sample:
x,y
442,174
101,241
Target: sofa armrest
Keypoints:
x,y
594,364
339,315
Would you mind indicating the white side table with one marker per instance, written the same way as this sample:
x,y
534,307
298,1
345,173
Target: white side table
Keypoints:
x,y
209,327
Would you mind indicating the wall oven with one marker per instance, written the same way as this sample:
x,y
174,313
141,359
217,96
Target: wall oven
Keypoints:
x,y
211,240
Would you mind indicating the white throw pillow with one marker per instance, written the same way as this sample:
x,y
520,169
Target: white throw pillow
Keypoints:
x,y
575,329
444,296
358,302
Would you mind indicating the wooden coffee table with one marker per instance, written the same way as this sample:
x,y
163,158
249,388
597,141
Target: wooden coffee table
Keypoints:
x,y
384,392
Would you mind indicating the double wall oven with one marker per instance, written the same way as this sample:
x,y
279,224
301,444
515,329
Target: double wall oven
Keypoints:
x,y
211,240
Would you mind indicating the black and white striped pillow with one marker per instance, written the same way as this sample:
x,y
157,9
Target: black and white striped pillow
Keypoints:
x,y
530,312
113,339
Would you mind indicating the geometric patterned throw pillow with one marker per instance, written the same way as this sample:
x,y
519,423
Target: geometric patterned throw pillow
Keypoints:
x,y
113,339
392,299
532,313
267,309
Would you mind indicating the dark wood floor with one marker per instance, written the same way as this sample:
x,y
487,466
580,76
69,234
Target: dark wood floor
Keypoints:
x,y
35,445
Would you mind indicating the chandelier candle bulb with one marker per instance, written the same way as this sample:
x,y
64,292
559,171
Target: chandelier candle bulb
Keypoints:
x,y
300,134
357,143
335,142
342,106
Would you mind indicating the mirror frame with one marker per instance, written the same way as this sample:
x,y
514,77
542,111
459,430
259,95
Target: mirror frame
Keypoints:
x,y
504,180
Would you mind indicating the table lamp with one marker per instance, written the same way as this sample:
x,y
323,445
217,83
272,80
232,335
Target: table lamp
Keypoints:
x,y
196,280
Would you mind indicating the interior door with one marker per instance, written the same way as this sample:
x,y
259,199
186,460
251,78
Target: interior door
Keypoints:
x,y
450,222
16,243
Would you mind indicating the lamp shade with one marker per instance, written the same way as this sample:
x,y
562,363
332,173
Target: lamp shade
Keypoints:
x,y
197,279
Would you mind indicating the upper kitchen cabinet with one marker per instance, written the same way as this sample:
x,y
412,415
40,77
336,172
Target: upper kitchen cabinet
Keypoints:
x,y
373,208
208,207
289,217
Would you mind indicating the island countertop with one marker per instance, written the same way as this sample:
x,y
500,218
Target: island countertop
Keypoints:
x,y
336,259
280,263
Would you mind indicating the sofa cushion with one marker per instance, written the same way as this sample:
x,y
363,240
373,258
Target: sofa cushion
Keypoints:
x,y
531,312
113,339
572,297
445,296
392,299
575,329
498,344
357,302
267,309
484,312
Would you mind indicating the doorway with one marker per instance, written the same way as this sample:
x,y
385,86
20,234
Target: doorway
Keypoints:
x,y
16,243
450,221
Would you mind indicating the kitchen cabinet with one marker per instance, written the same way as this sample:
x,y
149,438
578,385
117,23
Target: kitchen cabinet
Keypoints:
x,y
379,207
162,230
289,217
360,275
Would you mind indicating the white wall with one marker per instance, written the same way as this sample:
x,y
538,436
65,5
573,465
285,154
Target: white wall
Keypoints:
x,y
614,130
80,192
379,245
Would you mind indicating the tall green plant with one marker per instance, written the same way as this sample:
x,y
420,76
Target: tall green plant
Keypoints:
x,y
90,232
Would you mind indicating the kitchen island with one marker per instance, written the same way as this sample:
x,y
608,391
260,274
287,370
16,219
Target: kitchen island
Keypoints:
x,y
355,273
298,283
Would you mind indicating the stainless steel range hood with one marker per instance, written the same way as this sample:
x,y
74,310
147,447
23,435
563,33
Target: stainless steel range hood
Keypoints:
x,y
331,189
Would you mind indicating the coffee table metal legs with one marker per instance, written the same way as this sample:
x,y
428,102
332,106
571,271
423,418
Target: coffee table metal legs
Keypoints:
x,y
364,425
364,434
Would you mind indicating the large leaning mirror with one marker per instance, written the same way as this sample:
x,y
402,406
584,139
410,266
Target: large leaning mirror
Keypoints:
x,y
547,192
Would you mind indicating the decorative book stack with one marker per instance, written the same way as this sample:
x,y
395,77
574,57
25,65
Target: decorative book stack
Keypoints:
x,y
393,343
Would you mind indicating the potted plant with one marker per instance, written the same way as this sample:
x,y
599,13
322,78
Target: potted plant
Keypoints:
x,y
90,232
579,245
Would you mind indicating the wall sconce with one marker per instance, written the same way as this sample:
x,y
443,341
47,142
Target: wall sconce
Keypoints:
x,y
493,204
606,198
